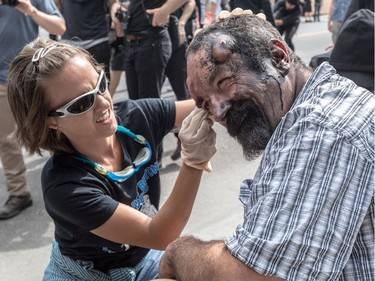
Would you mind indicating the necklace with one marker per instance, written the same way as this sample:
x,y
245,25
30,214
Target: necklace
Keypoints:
x,y
143,156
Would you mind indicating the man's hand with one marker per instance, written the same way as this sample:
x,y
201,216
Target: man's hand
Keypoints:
x,y
25,7
159,16
279,22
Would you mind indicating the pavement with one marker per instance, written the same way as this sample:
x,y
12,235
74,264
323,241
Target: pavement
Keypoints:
x,y
26,239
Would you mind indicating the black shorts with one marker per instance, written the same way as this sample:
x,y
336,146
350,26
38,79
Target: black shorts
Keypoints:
x,y
118,61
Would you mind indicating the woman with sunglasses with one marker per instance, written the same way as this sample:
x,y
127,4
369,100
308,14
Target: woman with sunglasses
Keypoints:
x,y
101,186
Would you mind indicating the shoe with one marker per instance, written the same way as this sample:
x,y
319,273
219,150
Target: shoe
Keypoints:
x,y
177,152
14,205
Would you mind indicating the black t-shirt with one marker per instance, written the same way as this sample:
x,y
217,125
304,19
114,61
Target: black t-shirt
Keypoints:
x,y
85,19
139,22
79,199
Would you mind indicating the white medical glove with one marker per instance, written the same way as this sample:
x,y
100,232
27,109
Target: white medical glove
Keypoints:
x,y
198,140
237,12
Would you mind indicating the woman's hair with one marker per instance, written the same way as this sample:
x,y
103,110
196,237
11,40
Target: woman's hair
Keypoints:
x,y
39,61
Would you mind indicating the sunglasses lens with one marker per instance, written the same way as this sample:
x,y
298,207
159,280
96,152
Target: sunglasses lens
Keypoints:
x,y
82,105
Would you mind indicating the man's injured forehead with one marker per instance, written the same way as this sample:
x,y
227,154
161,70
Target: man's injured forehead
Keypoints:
x,y
247,35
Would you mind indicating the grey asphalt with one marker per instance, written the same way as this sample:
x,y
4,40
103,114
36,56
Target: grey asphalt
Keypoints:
x,y
26,238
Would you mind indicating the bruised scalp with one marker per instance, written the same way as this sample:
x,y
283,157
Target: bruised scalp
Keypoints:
x,y
218,50
222,48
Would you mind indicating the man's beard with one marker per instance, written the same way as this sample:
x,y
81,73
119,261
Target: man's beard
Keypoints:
x,y
247,123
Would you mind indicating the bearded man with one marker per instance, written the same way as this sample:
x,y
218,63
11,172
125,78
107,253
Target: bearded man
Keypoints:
x,y
309,211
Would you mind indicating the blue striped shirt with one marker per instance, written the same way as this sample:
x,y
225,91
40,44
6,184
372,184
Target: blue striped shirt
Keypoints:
x,y
309,211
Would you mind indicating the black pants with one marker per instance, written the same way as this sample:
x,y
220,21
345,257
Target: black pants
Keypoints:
x,y
145,63
289,31
176,73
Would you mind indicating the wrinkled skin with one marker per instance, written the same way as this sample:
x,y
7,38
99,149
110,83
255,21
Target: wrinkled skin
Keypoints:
x,y
249,104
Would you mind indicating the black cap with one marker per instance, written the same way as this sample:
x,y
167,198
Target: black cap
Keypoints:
x,y
353,53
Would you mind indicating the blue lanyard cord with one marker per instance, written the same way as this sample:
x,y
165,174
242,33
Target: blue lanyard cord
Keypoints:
x,y
144,155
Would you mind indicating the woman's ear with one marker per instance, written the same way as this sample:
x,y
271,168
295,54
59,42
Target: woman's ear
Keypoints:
x,y
52,123
279,56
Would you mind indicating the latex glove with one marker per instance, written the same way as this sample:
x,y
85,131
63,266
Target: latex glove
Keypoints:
x,y
237,12
198,140
224,14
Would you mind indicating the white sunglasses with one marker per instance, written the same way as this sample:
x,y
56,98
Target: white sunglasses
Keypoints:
x,y
84,102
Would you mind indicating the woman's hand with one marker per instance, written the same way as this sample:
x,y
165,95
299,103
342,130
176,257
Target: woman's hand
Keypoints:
x,y
198,140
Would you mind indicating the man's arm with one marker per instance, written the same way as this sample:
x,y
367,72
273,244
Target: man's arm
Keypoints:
x,y
161,14
330,14
213,5
187,11
190,259
51,23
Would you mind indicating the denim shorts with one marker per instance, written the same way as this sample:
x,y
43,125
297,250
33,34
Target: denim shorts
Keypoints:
x,y
63,268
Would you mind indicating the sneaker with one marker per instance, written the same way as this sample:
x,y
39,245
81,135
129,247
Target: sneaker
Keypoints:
x,y
14,205
177,152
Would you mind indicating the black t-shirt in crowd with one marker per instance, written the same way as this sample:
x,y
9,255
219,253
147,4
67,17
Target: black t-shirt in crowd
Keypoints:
x,y
79,199
139,22
85,19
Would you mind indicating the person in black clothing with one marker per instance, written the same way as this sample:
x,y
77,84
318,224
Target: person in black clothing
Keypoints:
x,y
181,36
176,67
287,13
148,49
256,6
87,26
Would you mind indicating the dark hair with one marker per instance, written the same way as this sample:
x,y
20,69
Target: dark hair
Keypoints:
x,y
251,35
27,98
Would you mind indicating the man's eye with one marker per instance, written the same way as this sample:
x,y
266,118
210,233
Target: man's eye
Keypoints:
x,y
222,82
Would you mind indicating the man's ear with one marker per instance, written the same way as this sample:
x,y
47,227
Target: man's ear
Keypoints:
x,y
279,56
52,123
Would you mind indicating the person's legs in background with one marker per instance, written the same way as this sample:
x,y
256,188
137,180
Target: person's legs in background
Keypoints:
x,y
177,73
145,63
14,167
116,69
102,53
117,64
317,10
289,33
